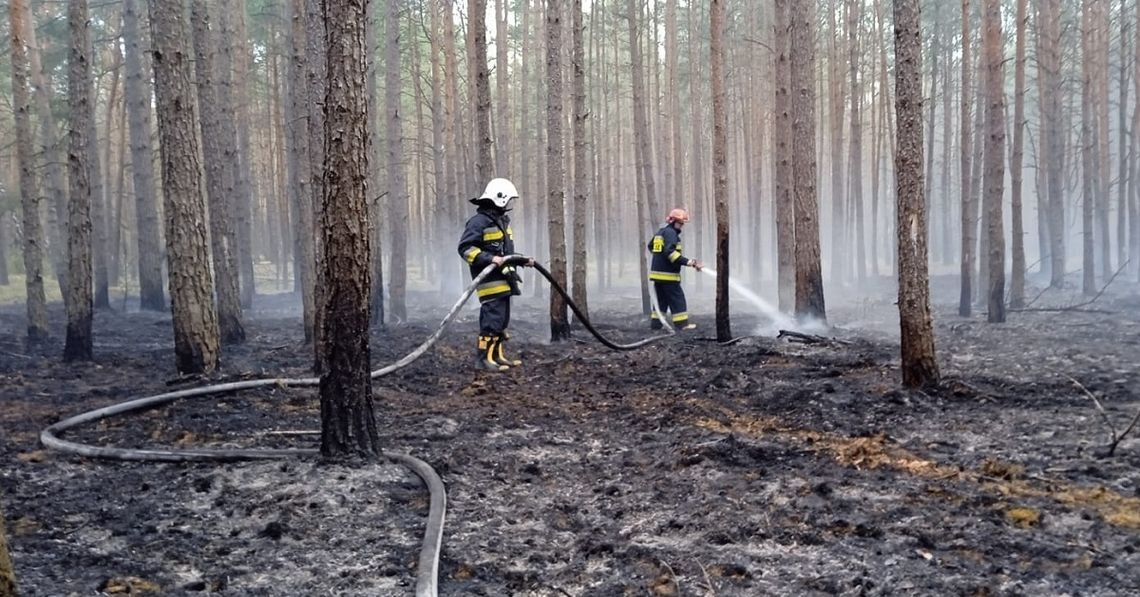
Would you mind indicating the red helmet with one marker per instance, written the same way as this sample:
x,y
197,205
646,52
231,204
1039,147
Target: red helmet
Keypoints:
x,y
678,215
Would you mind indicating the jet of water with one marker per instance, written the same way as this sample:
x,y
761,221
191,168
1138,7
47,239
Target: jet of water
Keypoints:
x,y
779,320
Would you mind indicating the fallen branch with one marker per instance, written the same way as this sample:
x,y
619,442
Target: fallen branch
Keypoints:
x,y
1115,439
808,338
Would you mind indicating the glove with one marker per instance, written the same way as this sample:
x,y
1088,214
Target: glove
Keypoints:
x,y
697,265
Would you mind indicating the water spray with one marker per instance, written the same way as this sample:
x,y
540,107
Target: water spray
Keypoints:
x,y
779,320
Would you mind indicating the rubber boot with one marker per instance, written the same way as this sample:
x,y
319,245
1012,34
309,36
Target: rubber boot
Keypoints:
x,y
500,358
485,356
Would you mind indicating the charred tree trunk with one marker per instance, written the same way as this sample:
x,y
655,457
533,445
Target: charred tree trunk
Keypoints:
x,y
809,279
78,345
138,98
720,165
397,176
782,131
216,152
348,423
36,302
581,181
995,160
919,366
191,287
559,324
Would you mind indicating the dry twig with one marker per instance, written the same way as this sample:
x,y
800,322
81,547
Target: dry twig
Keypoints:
x,y
1115,439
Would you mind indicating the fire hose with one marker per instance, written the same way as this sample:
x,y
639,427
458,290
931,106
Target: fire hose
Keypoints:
x,y
428,567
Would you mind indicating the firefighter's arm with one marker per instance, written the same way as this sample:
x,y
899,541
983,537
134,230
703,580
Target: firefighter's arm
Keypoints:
x,y
470,249
672,251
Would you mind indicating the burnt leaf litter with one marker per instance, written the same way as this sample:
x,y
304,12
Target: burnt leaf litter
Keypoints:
x,y
770,466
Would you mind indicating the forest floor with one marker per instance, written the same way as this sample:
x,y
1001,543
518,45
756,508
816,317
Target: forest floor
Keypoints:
x,y
762,467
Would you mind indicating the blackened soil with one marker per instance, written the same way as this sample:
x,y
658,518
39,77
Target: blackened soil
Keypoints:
x,y
764,467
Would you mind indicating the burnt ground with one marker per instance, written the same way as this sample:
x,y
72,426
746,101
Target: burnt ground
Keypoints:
x,y
764,467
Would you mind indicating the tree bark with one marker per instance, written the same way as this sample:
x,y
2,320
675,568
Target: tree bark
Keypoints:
x,y
481,85
809,279
138,98
301,161
7,572
503,138
641,125
720,165
191,287
919,366
397,176
855,166
782,131
556,225
581,181
1049,39
1089,176
348,423
78,344
966,296
217,150
236,49
995,160
36,303
1017,283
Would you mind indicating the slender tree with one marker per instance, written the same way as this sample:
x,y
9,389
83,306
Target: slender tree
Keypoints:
x,y
581,186
1049,39
300,171
966,296
481,86
559,322
1089,173
397,176
809,278
919,366
782,133
720,164
36,302
191,287
640,122
1017,281
138,94
855,165
78,345
995,159
348,423
223,238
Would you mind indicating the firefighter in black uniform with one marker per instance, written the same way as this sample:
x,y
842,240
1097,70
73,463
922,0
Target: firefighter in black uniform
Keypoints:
x,y
488,238
665,272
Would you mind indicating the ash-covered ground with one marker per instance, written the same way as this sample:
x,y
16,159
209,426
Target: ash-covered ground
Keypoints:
x,y
762,467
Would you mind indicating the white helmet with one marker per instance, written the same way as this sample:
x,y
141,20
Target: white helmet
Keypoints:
x,y
499,191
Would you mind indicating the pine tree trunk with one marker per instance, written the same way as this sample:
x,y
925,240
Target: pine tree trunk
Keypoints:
x,y
138,94
559,324
919,366
444,224
503,139
720,165
348,423
809,279
965,298
782,133
477,29
191,287
1089,180
315,76
301,161
236,48
995,160
855,166
78,345
36,303
1134,200
7,572
581,182
98,194
53,163
1049,38
217,150
840,254
397,176
377,170
696,197
641,125
1100,91
1122,174
1017,283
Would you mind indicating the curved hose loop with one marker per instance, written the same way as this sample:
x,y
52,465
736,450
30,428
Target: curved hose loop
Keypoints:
x,y
428,568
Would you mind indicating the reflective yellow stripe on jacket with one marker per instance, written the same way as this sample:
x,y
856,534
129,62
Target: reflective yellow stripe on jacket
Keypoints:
x,y
487,289
664,277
